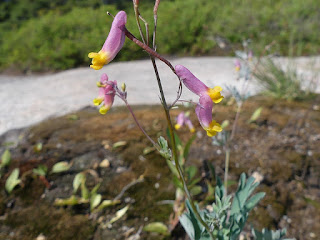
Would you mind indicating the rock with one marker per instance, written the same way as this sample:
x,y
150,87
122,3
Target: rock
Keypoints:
x,y
84,162
104,164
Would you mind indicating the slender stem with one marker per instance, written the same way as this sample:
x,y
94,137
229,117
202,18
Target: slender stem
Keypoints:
x,y
119,196
226,170
147,29
137,14
234,126
138,124
154,54
178,95
155,17
174,149
148,49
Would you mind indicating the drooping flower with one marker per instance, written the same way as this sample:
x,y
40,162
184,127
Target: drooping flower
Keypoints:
x,y
180,121
113,43
106,94
207,95
204,114
250,55
237,65
183,119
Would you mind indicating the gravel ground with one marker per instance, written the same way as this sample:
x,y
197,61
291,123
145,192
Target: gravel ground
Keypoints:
x,y
27,100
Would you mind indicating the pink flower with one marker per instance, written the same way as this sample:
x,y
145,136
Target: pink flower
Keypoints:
x,y
106,94
183,119
207,95
237,65
113,43
250,55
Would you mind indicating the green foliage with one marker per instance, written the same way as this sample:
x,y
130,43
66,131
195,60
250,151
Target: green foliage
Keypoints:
x,y
61,167
255,115
189,171
165,151
92,197
119,214
16,11
269,234
38,147
157,227
5,159
281,83
51,35
41,170
77,181
226,219
13,180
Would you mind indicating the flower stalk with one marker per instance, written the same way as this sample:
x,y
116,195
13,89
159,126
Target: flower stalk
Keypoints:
x,y
148,49
154,54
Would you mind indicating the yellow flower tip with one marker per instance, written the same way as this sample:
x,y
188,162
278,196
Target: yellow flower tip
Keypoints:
x,y
103,110
237,68
96,67
97,101
177,126
98,59
215,94
93,55
192,130
213,128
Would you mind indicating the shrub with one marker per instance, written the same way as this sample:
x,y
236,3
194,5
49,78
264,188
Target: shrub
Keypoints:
x,y
61,38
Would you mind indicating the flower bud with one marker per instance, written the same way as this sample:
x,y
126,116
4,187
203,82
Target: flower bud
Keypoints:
x,y
123,87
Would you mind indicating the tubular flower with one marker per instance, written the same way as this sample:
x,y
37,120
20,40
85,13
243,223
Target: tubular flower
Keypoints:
x,y
106,94
183,119
207,95
250,55
113,43
204,114
237,65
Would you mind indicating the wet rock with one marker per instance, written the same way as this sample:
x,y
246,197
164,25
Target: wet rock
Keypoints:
x,y
85,161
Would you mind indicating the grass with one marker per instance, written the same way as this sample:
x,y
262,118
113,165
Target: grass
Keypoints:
x,y
282,83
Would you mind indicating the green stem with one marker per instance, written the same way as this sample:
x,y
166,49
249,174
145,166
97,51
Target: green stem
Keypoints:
x,y
174,150
138,124
154,54
226,170
234,126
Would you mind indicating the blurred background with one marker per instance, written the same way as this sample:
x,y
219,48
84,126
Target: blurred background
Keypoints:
x,y
56,35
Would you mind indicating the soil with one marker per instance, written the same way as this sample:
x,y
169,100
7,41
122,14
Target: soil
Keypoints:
x,y
282,146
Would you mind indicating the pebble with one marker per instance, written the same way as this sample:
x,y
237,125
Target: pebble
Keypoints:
x,y
105,163
41,237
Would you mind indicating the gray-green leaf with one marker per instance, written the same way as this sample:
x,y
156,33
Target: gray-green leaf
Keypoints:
x,y
13,180
5,158
108,203
157,227
78,179
60,167
255,115
95,201
41,170
119,214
